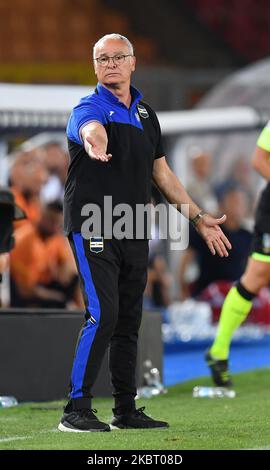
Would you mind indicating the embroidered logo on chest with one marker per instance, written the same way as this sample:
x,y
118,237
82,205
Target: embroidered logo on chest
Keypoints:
x,y
142,111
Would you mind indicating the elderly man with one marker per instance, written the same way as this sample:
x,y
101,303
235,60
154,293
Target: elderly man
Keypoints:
x,y
116,150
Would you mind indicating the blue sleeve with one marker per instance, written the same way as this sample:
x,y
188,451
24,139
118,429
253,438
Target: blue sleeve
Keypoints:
x,y
81,114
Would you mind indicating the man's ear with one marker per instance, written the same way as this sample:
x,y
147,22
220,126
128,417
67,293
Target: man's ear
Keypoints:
x,y
133,67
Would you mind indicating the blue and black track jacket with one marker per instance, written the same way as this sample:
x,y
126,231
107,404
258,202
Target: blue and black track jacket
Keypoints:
x,y
134,140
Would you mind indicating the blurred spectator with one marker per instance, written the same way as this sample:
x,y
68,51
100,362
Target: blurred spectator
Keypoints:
x,y
9,212
43,272
159,280
241,174
27,176
56,162
4,259
233,203
199,184
3,262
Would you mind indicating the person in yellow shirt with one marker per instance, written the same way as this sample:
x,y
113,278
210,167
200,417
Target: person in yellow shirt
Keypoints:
x,y
238,302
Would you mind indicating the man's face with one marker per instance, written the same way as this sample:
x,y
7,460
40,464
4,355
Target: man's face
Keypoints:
x,y
112,73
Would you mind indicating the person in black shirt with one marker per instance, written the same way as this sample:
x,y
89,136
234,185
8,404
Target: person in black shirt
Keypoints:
x,y
116,151
233,202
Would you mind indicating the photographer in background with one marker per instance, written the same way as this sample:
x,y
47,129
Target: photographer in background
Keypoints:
x,y
9,212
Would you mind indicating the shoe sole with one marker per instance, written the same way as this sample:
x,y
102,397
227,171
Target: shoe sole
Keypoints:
x,y
114,428
63,428
119,428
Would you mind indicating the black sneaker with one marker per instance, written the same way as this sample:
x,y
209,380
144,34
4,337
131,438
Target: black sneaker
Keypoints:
x,y
219,370
81,421
136,419
67,409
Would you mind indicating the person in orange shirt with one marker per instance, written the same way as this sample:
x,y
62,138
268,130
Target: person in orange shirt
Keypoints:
x,y
28,175
43,273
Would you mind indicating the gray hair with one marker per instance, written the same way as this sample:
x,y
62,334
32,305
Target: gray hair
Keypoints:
x,y
115,36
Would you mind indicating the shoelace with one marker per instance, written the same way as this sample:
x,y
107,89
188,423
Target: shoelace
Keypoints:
x,y
140,411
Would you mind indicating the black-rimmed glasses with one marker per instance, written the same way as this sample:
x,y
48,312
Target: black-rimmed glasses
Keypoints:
x,y
117,59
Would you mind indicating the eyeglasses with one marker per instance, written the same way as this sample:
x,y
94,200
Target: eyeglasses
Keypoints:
x,y
118,59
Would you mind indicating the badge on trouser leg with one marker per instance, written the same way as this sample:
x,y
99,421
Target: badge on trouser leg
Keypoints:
x,y
96,244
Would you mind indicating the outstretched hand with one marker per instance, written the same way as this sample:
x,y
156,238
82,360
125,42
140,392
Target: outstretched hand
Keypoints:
x,y
96,150
209,229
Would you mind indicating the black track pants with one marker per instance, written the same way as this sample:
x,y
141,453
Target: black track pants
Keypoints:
x,y
113,282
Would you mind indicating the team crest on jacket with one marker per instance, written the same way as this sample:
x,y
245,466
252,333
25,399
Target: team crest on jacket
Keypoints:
x,y
142,111
96,244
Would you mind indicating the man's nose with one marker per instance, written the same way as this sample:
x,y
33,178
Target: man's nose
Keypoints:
x,y
111,63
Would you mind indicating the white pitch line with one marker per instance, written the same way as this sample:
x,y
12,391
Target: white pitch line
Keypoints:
x,y
18,438
21,438
261,448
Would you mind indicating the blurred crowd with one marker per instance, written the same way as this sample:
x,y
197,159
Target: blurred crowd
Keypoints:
x,y
199,274
42,269
198,268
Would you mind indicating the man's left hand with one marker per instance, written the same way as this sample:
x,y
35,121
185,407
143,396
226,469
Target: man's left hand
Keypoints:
x,y
209,230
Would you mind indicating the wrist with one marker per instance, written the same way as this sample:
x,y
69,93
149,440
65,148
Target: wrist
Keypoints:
x,y
195,220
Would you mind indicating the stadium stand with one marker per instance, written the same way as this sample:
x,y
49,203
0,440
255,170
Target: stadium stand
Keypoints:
x,y
242,25
48,38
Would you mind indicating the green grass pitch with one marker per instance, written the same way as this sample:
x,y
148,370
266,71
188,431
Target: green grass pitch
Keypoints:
x,y
195,423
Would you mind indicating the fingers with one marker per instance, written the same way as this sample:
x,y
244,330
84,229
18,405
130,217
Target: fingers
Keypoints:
x,y
220,248
221,220
223,239
211,247
217,246
103,157
95,151
211,221
226,241
218,243
216,240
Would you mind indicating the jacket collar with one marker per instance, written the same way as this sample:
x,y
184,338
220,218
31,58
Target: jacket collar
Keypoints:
x,y
107,95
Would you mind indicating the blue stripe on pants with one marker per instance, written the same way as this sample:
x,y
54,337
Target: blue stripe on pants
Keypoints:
x,y
89,331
